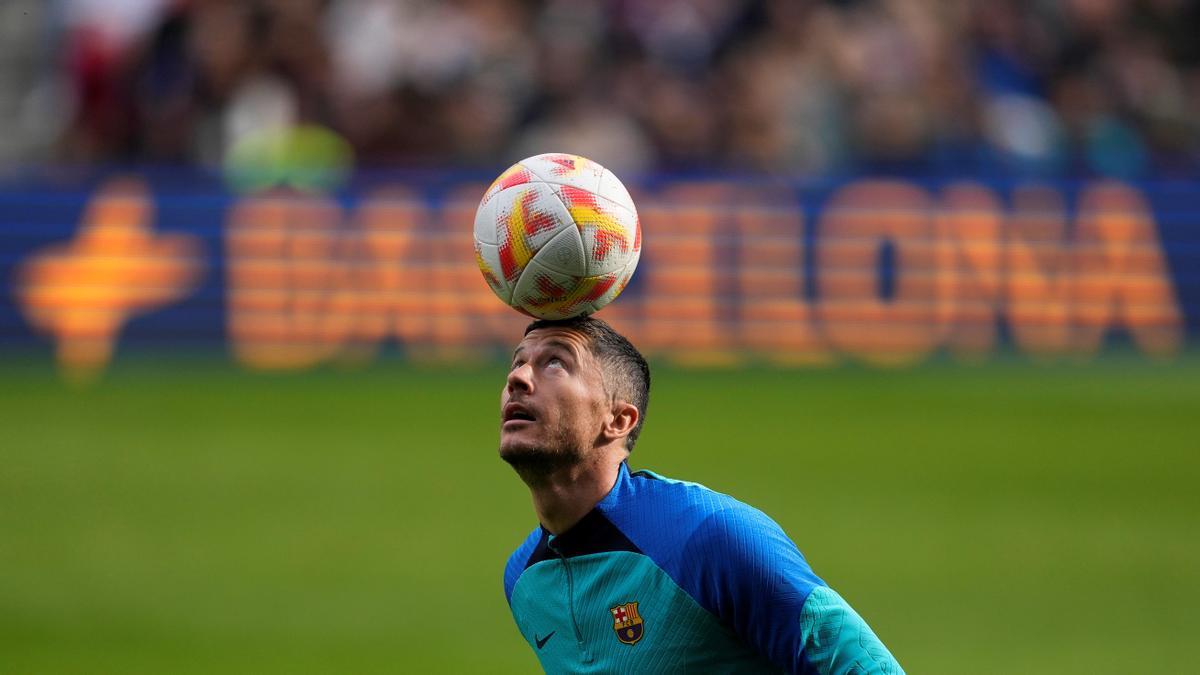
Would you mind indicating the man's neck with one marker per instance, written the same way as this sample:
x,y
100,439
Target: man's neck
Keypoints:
x,y
563,497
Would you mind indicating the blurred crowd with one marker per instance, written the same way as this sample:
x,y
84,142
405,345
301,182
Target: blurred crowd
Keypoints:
x,y
1094,86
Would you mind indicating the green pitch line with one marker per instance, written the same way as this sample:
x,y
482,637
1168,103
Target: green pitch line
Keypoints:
x,y
184,517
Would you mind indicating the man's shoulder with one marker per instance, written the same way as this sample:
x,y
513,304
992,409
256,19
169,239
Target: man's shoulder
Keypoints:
x,y
691,506
720,550
518,559
674,521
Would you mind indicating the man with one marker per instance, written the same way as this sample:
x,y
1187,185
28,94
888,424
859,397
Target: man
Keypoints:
x,y
632,572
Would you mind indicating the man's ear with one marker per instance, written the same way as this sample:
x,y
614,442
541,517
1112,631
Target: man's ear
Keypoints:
x,y
624,418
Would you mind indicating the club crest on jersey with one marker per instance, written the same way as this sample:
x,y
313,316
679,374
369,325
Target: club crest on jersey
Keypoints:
x,y
627,623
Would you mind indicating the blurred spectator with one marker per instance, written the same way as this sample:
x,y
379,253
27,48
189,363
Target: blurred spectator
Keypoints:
x,y
798,86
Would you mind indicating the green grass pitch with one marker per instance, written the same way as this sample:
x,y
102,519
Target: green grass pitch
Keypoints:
x,y
186,517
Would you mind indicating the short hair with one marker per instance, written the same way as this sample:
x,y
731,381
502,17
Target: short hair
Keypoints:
x,y
625,371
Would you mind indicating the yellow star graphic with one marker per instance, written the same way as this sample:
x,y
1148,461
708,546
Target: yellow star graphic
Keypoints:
x,y
83,291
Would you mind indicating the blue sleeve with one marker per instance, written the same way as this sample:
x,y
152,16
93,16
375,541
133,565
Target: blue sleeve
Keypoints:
x,y
739,565
744,569
756,580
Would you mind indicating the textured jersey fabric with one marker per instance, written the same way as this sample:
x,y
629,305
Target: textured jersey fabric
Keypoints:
x,y
668,576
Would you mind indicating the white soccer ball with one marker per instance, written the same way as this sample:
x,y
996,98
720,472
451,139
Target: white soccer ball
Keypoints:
x,y
557,236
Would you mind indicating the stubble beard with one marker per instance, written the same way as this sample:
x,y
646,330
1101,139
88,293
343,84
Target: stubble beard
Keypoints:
x,y
537,462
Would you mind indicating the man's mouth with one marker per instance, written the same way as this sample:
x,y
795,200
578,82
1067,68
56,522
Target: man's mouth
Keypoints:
x,y
514,414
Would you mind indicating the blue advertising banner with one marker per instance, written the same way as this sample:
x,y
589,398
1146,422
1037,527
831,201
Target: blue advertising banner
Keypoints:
x,y
876,270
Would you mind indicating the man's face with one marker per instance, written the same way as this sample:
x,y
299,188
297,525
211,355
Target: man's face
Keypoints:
x,y
554,404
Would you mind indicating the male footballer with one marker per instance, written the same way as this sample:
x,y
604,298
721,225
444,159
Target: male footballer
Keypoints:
x,y
632,572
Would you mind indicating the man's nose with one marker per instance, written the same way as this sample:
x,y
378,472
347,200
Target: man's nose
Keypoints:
x,y
521,378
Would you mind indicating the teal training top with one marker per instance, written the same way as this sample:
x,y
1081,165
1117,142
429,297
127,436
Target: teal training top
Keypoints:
x,y
667,576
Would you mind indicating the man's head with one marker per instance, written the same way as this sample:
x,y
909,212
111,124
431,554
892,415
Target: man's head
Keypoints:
x,y
576,386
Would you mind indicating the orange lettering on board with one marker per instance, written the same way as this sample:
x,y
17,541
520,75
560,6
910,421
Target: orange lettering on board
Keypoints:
x,y
970,236
1121,279
287,281
776,318
682,268
466,317
1039,276
856,319
393,272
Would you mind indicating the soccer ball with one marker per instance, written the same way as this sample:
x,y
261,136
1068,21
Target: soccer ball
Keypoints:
x,y
557,236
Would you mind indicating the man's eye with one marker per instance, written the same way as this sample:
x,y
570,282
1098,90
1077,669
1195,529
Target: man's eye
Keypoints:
x,y
555,362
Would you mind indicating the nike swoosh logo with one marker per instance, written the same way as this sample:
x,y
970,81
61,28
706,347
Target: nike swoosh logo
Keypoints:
x,y
541,642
